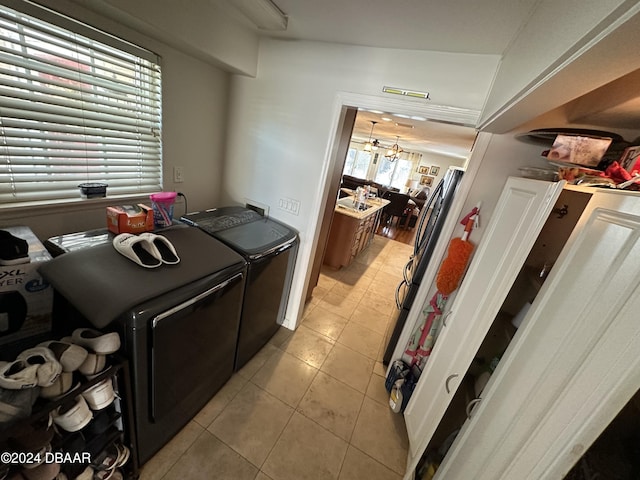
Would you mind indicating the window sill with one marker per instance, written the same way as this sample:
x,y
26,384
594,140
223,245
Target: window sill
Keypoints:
x,y
12,211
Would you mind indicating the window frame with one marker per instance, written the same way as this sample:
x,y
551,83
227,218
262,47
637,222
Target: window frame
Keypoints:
x,y
88,35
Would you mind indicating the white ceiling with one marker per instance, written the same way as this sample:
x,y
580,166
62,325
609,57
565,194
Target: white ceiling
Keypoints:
x,y
414,134
462,26
465,26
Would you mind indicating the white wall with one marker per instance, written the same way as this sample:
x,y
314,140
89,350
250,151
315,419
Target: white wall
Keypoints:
x,y
431,159
281,123
565,50
201,27
194,129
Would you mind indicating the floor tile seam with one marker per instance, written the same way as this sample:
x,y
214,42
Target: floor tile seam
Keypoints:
x,y
168,470
315,374
355,291
329,431
334,340
364,394
356,351
336,313
375,359
233,397
263,391
363,326
293,412
259,467
382,313
334,378
317,369
370,458
347,442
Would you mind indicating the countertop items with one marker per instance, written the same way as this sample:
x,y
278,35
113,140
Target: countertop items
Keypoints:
x,y
347,206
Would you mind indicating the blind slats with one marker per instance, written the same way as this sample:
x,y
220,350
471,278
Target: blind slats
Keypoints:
x,y
71,86
74,110
72,71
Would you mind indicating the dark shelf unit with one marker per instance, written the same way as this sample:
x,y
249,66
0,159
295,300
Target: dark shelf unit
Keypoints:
x,y
118,370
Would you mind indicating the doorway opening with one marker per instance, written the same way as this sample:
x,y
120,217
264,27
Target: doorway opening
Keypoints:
x,y
427,142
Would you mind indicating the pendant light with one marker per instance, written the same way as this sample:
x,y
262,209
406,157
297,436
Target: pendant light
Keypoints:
x,y
369,146
394,151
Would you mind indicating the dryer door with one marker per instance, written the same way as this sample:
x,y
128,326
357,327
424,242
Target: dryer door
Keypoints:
x,y
193,347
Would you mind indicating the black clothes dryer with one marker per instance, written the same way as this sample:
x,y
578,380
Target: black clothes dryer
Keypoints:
x,y
270,249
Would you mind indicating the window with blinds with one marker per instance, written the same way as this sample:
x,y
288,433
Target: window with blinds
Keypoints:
x,y
76,106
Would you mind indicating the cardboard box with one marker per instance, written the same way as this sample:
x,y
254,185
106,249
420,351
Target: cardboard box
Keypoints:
x,y
26,299
130,218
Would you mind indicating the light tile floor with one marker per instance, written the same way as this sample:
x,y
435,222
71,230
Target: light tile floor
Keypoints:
x,y
312,403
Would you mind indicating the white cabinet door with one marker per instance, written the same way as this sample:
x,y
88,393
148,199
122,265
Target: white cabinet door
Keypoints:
x,y
574,362
517,220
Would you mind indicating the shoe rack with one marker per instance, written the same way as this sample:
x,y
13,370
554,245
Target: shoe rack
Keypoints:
x,y
109,426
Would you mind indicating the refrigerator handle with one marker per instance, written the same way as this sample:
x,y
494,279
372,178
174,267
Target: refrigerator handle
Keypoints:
x,y
405,271
398,303
418,242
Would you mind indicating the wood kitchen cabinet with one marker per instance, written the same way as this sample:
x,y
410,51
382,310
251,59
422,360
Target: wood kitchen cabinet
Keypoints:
x,y
350,234
573,362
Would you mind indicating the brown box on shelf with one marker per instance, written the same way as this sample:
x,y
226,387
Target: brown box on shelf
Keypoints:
x,y
26,299
130,218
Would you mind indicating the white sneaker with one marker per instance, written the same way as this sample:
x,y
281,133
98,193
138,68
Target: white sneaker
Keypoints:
x,y
100,395
61,386
49,368
103,343
74,417
69,355
18,374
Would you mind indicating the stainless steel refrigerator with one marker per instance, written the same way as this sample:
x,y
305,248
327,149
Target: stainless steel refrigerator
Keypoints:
x,y
432,219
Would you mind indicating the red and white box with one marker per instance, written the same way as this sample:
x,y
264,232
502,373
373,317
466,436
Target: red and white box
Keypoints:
x,y
130,218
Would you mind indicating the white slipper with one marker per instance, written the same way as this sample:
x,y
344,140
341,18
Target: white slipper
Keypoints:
x,y
103,343
73,417
18,374
49,369
138,249
69,355
167,251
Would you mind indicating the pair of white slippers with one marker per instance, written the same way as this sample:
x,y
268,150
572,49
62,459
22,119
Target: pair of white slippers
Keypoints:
x,y
147,249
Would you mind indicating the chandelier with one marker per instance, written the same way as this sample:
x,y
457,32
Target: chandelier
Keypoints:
x,y
394,151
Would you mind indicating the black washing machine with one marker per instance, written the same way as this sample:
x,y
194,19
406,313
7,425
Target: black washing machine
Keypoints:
x,y
178,323
270,249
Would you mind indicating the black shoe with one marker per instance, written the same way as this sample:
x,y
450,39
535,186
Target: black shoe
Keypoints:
x,y
13,250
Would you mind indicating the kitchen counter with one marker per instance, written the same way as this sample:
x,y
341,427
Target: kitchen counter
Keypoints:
x,y
345,206
352,230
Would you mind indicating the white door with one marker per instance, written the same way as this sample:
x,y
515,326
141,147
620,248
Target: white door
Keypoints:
x,y
574,362
519,215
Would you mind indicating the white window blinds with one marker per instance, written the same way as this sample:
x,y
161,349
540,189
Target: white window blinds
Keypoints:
x,y
74,110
